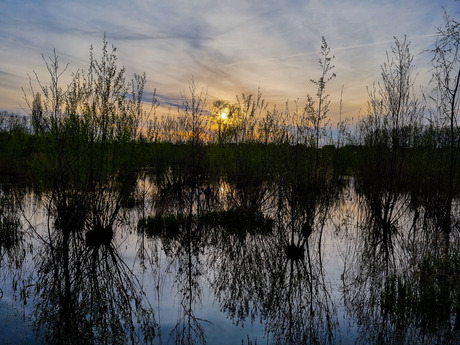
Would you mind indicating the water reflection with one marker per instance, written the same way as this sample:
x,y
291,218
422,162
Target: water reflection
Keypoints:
x,y
14,247
261,251
398,282
178,202
12,235
85,293
256,278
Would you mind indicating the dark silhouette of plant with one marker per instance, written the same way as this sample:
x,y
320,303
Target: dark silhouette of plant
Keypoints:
x,y
317,114
249,109
86,171
392,107
37,114
446,78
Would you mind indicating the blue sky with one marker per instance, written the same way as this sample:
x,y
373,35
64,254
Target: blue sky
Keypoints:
x,y
228,47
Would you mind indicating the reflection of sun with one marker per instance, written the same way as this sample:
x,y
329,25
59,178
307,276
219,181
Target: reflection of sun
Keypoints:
x,y
223,116
224,190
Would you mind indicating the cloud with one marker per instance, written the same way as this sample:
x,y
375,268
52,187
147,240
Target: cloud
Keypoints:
x,y
228,46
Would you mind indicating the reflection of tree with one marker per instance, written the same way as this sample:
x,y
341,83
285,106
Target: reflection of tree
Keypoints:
x,y
187,259
255,278
12,238
370,260
85,293
12,253
182,241
416,305
183,223
385,212
268,275
410,298
246,193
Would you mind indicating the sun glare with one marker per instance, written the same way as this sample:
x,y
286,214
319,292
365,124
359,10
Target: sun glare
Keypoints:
x,y
223,116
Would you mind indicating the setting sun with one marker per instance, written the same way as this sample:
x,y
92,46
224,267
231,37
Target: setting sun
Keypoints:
x,y
223,116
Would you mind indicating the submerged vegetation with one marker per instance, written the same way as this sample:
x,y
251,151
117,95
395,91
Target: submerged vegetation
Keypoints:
x,y
244,190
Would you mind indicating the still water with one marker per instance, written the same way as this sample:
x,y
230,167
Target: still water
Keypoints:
x,y
225,263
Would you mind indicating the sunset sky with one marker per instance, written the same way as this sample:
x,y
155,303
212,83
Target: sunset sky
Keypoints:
x,y
228,47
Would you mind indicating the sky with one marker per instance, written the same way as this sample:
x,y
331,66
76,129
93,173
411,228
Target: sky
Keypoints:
x,y
228,47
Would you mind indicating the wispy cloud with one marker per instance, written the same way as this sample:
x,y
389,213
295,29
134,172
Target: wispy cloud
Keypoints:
x,y
229,46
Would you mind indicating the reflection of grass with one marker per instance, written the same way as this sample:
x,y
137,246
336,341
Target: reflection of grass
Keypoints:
x,y
10,236
238,221
438,290
12,233
234,221
428,298
162,225
12,250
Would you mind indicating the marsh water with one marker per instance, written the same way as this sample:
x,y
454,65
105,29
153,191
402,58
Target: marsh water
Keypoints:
x,y
226,262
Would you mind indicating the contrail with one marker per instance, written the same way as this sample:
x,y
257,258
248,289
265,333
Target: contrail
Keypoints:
x,y
355,46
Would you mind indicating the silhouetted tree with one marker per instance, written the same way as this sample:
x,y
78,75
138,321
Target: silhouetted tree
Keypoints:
x,y
446,77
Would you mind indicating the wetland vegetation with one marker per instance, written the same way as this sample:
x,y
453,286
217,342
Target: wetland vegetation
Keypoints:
x,y
118,225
